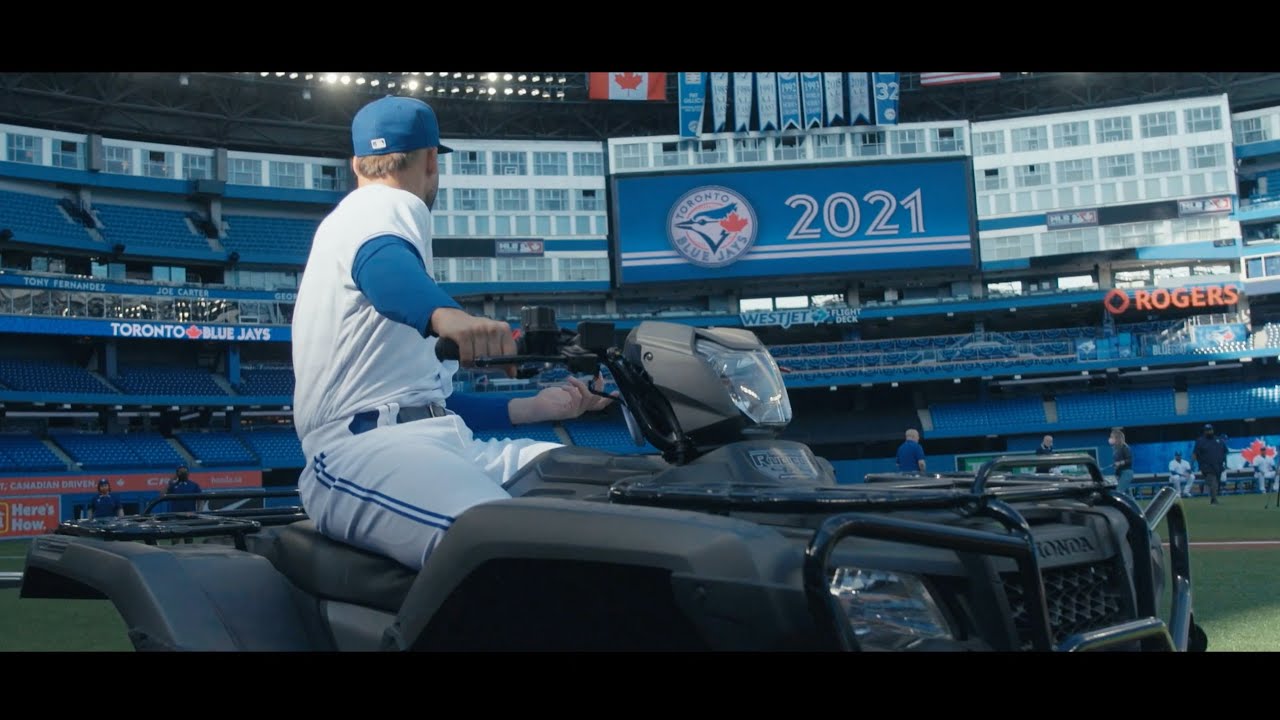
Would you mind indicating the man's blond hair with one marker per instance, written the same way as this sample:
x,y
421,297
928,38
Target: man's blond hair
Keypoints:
x,y
380,166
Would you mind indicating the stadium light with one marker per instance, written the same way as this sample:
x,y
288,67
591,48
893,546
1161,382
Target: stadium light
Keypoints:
x,y
183,80
506,76
493,91
346,79
360,81
309,76
507,91
375,82
294,76
453,89
426,88
536,78
331,78
522,77
493,77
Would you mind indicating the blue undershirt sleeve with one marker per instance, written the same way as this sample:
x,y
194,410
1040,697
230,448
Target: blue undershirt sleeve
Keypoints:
x,y
481,411
390,272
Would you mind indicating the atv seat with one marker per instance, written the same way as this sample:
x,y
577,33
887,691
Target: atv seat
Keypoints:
x,y
332,570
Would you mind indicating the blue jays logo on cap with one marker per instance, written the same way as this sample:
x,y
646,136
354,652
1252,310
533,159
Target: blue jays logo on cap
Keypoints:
x,y
395,125
712,226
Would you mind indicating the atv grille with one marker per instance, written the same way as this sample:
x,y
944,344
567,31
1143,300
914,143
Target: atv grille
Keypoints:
x,y
1080,598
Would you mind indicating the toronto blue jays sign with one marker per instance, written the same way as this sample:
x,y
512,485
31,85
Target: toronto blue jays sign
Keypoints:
x,y
794,221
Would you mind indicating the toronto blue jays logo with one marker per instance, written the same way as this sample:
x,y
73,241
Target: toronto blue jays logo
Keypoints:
x,y
712,226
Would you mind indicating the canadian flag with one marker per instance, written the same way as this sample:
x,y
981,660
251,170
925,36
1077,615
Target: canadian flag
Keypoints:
x,y
627,86
948,78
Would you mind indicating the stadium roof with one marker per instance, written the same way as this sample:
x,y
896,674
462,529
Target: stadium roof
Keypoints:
x,y
289,113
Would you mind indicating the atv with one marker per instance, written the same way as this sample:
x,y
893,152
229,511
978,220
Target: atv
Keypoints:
x,y
728,539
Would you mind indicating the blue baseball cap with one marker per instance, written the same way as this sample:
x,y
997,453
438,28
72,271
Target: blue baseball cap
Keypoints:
x,y
395,125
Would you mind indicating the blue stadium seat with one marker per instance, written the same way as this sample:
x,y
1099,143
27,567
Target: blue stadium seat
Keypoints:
x,y
161,231
95,451
24,452
167,381
39,217
610,436
217,449
979,417
43,376
1233,400
257,236
266,381
276,447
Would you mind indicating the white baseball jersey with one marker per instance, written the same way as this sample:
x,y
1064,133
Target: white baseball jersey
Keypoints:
x,y
1265,466
1179,469
348,357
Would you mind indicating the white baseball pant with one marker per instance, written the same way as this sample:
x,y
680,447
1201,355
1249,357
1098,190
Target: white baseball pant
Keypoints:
x,y
396,489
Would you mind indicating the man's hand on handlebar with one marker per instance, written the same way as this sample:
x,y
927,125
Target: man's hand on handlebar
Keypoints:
x,y
475,336
562,402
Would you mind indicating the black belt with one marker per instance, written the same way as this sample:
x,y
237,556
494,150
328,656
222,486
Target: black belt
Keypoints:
x,y
368,420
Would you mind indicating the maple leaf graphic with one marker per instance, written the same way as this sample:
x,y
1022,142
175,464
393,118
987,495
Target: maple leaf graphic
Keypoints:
x,y
1257,448
628,81
733,223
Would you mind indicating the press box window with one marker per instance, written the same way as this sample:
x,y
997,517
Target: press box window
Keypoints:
x,y
588,200
66,154
588,163
510,163
157,164
1071,134
24,149
196,167
468,162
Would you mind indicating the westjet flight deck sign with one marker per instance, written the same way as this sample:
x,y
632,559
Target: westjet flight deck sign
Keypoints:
x,y
796,221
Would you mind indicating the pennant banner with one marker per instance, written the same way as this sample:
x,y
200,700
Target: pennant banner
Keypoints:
x,y
767,100
719,99
789,99
886,98
741,101
811,90
859,98
693,98
627,86
834,83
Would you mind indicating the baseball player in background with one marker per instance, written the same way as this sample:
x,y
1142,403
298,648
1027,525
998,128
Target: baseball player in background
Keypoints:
x,y
389,468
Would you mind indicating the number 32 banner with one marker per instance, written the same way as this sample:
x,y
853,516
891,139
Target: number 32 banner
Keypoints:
x,y
846,219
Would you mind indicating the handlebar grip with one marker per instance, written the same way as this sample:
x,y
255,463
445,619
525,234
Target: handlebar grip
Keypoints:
x,y
447,349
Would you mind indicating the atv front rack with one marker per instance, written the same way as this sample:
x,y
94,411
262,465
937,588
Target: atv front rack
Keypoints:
x,y
978,499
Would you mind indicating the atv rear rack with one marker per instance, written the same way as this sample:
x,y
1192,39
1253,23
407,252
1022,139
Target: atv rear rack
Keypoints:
x,y
228,522
979,499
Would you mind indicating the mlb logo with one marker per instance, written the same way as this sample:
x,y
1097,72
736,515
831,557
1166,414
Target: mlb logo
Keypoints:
x,y
378,143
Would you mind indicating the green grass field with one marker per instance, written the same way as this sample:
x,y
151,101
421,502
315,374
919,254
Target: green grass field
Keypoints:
x,y
1237,589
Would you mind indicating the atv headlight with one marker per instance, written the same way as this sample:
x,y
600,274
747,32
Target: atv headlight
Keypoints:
x,y
888,610
752,379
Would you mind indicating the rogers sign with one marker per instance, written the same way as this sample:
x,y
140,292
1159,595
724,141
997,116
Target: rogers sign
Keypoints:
x,y
172,331
1119,300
